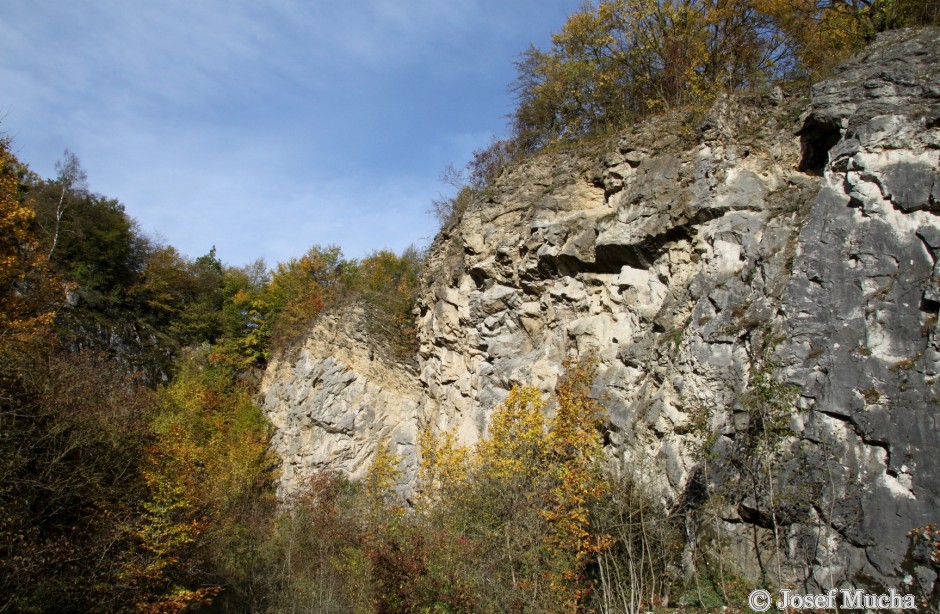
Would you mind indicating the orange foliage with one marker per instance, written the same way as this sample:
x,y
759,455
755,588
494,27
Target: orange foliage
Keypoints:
x,y
27,289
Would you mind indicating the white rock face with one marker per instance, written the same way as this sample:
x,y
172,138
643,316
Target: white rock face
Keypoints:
x,y
806,245
610,251
332,403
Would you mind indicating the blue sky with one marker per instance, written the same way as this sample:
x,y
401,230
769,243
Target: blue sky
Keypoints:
x,y
267,126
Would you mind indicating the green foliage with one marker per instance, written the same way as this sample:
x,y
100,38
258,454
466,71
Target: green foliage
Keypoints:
x,y
262,313
114,498
201,318
140,288
182,298
92,243
128,295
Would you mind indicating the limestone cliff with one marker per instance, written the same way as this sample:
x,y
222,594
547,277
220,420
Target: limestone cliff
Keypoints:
x,y
781,255
334,400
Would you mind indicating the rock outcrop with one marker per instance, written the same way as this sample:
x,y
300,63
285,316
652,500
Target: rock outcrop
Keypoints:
x,y
775,264
333,401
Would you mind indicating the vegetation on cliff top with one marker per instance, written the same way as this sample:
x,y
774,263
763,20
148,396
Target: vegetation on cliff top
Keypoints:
x,y
622,59
617,61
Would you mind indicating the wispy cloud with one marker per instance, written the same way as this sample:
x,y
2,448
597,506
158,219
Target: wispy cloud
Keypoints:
x,y
265,126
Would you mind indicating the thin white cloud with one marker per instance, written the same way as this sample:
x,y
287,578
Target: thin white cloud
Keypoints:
x,y
264,126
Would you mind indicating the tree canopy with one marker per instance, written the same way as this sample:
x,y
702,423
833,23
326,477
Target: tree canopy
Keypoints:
x,y
621,59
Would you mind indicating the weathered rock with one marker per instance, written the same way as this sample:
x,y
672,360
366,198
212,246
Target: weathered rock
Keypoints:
x,y
761,248
333,401
859,299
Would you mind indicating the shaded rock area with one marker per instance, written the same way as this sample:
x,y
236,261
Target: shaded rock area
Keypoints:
x,y
859,317
778,257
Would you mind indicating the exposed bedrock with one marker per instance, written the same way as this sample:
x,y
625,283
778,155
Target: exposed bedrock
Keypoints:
x,y
785,241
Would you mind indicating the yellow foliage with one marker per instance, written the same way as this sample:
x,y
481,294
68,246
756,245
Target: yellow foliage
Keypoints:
x,y
444,467
576,450
527,488
516,445
299,290
27,287
209,458
383,475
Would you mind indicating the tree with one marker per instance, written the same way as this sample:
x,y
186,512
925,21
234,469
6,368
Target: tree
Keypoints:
x,y
522,500
387,285
245,336
71,181
163,286
28,293
208,474
74,427
575,449
627,58
299,290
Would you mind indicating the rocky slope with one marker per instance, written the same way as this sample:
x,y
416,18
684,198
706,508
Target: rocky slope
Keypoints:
x,y
773,267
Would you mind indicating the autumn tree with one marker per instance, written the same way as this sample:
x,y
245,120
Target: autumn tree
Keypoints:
x,y
74,426
516,510
630,57
113,497
314,557
245,331
28,294
299,290
208,474
387,285
621,59
575,449
822,33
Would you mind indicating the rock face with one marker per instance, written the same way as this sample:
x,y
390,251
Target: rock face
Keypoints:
x,y
333,402
859,311
777,265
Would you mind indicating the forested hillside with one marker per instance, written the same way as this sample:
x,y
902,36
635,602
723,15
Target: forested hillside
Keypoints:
x,y
135,471
135,465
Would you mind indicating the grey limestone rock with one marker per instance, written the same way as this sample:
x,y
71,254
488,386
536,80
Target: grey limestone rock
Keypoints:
x,y
773,251
332,401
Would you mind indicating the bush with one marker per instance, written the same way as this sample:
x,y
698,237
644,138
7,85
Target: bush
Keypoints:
x,y
387,285
473,180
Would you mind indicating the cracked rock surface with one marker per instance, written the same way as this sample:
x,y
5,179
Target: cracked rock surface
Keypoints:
x,y
333,401
782,237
